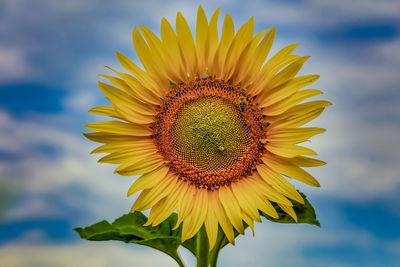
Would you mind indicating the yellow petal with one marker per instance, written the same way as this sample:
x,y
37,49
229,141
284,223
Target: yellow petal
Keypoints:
x,y
260,200
138,90
298,115
145,144
285,167
185,204
119,127
293,135
282,91
249,221
287,103
172,50
307,162
101,137
231,207
193,222
244,202
279,183
148,180
125,105
134,155
289,150
141,167
221,216
239,42
149,197
228,32
268,190
289,210
140,74
105,111
245,62
186,44
288,73
213,36
202,38
211,224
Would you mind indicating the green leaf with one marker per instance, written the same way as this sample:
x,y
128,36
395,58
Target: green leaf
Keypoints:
x,y
305,213
129,229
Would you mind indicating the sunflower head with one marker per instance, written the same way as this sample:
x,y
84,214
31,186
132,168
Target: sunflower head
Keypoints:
x,y
211,124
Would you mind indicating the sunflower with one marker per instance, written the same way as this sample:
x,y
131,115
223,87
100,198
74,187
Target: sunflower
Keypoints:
x,y
211,126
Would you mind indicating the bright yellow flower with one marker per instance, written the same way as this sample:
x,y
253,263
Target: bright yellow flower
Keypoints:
x,y
210,125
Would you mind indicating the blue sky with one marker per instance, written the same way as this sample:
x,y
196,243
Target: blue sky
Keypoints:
x,y
50,55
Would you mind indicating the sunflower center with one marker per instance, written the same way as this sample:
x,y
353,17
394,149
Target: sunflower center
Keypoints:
x,y
209,132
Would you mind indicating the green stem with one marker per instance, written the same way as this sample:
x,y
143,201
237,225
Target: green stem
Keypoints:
x,y
215,253
179,261
202,248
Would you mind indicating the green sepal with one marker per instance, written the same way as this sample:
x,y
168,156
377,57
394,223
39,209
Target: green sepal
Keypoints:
x,y
305,213
129,229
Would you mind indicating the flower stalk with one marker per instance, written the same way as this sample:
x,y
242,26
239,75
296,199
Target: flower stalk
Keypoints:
x,y
202,248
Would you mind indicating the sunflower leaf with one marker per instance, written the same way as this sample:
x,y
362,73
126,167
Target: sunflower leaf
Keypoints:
x,y
129,229
305,213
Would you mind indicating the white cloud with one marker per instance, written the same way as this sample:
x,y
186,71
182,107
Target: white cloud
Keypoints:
x,y
89,254
13,64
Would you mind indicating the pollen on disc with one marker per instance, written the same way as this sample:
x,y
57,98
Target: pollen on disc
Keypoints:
x,y
210,133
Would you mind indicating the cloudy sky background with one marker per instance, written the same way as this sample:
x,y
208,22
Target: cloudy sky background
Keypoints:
x,y
50,55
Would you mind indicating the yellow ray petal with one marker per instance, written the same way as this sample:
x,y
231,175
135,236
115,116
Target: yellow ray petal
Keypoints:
x,y
171,48
307,162
213,36
288,73
150,197
289,210
105,111
135,155
202,38
262,50
249,221
211,224
243,65
231,207
221,216
162,55
268,190
284,90
285,167
142,167
239,42
279,183
298,115
260,200
228,32
293,135
125,105
244,202
137,89
156,77
148,180
163,209
115,147
186,44
140,74
119,127
287,103
195,219
289,150
185,204
101,137
271,67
